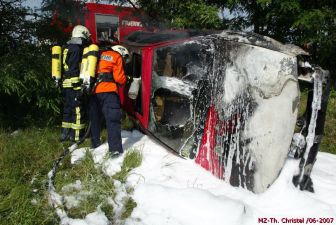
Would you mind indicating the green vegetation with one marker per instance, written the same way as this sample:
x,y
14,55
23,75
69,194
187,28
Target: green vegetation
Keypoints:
x,y
91,188
328,141
127,123
305,23
132,160
94,186
130,204
27,156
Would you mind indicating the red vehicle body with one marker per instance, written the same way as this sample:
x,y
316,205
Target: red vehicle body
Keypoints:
x,y
144,48
107,22
211,97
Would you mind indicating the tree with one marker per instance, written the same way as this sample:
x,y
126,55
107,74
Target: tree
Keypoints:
x,y
25,88
300,22
60,16
164,14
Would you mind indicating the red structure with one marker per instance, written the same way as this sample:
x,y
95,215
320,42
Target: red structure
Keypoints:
x,y
107,22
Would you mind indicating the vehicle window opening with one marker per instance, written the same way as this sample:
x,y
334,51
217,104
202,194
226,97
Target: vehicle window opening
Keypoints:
x,y
136,73
136,65
178,70
107,27
170,108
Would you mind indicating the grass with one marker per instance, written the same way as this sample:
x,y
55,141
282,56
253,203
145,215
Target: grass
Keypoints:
x,y
329,139
27,156
127,123
130,204
132,160
96,188
25,159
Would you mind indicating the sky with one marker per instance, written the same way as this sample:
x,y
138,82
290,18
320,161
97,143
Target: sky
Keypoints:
x,y
170,190
33,3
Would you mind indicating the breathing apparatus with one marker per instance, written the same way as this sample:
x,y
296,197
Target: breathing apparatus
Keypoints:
x,y
83,67
56,63
88,66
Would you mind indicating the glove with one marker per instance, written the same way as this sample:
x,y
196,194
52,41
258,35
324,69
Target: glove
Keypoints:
x,y
87,87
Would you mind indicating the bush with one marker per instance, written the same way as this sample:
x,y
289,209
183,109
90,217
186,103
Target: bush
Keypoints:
x,y
26,89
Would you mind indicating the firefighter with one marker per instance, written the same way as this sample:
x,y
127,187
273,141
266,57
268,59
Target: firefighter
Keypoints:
x,y
73,116
105,99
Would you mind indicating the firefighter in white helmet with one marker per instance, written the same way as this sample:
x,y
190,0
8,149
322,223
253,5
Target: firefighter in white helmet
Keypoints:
x,y
105,99
73,117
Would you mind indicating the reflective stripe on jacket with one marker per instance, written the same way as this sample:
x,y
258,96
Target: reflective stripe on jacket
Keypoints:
x,y
72,56
110,62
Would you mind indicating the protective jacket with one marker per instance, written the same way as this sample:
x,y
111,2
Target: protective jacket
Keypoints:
x,y
72,57
110,72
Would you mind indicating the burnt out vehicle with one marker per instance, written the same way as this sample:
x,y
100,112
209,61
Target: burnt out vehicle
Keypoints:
x,y
229,101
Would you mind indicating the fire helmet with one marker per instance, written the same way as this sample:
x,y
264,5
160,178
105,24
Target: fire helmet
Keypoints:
x,y
122,51
80,31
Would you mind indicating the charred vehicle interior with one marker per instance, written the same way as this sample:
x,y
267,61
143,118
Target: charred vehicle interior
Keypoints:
x,y
229,101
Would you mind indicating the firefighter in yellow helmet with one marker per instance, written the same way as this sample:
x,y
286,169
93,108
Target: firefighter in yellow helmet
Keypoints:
x,y
105,100
73,113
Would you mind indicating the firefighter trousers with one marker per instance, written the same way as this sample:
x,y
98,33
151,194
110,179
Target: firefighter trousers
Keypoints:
x,y
108,105
73,114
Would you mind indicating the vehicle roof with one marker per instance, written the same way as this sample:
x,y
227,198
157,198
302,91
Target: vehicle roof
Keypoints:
x,y
262,41
147,39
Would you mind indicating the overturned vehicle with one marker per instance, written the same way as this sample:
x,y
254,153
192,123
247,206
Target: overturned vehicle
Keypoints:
x,y
229,101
